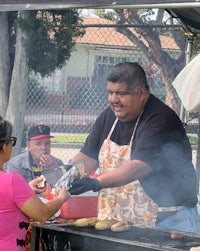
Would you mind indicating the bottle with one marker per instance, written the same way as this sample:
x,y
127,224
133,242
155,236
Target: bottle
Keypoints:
x,y
48,194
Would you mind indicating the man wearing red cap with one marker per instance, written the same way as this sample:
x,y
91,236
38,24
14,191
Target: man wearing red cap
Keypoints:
x,y
37,159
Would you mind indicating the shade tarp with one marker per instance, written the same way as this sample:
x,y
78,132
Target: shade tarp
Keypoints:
x,y
187,85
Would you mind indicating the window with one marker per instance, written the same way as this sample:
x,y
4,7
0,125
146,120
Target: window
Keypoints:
x,y
103,64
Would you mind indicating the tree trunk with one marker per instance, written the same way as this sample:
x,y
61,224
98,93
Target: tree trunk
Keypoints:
x,y
150,45
18,89
4,63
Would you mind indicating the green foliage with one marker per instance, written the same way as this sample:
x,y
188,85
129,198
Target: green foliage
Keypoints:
x,y
107,14
146,15
50,38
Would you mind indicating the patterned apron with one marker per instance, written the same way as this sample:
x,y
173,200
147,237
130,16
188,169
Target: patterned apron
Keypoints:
x,y
125,203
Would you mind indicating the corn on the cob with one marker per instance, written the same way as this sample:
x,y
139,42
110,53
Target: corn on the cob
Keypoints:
x,y
121,226
85,222
104,224
195,249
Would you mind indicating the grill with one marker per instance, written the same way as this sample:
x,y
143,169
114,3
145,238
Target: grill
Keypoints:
x,y
62,237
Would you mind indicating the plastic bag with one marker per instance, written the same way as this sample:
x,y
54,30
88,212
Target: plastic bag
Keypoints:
x,y
187,85
75,172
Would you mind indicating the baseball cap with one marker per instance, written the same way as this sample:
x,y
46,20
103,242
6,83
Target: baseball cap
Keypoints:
x,y
38,132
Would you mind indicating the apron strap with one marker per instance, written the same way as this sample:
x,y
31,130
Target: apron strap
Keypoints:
x,y
134,129
112,128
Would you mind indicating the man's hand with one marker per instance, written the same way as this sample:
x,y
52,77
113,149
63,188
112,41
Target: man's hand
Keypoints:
x,y
46,160
34,185
84,185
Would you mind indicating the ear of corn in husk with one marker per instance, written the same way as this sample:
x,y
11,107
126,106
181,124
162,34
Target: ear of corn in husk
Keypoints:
x,y
85,222
104,224
195,248
121,226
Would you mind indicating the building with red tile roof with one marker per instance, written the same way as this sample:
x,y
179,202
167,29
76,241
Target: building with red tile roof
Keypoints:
x,y
96,52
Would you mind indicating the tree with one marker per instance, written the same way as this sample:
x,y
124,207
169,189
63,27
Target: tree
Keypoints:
x,y
107,14
153,50
38,41
146,37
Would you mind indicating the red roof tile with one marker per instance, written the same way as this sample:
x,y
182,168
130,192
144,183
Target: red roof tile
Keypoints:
x,y
109,36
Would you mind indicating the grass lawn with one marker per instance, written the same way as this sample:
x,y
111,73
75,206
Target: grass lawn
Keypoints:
x,y
69,138
80,138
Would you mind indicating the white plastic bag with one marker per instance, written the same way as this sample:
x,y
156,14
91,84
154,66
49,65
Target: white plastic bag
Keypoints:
x,y
187,85
75,172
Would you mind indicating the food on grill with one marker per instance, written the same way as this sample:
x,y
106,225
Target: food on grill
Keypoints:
x,y
42,183
121,226
176,235
195,248
115,226
75,172
85,222
104,224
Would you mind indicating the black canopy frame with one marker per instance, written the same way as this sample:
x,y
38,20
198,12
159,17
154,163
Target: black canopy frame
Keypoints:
x,y
188,11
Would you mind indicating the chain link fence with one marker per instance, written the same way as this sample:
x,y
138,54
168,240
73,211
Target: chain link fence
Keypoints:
x,y
71,99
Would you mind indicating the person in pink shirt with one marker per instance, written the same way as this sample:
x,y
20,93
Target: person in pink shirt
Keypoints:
x,y
19,202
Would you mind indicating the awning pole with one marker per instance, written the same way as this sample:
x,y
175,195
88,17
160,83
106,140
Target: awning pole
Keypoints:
x,y
183,114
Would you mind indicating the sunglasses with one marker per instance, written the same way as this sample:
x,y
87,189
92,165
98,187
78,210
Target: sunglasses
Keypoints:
x,y
13,141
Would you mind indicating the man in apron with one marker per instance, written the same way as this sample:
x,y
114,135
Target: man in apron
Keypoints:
x,y
144,157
